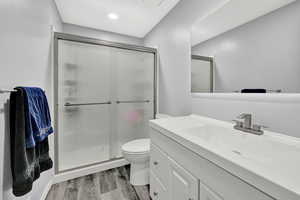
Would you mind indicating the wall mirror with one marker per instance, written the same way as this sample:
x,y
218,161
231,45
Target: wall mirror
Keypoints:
x,y
230,74
202,74
258,55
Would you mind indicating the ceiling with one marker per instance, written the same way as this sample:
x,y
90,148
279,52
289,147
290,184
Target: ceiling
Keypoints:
x,y
136,17
231,14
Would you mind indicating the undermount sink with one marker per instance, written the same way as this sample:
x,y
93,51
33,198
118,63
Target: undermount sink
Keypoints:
x,y
265,150
271,157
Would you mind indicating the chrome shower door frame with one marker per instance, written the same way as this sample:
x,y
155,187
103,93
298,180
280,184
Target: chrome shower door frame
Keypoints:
x,y
75,38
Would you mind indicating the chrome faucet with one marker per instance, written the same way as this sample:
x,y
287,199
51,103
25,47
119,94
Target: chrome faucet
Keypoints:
x,y
247,120
247,126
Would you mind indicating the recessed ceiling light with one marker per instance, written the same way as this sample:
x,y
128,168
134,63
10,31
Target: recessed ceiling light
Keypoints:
x,y
113,16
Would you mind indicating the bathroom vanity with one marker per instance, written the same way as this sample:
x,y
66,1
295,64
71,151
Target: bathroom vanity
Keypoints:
x,y
195,157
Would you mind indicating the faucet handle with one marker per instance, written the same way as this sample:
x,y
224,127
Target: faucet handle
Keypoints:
x,y
257,127
238,123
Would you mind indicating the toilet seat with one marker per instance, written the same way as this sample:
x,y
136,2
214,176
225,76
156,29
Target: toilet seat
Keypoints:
x,y
140,146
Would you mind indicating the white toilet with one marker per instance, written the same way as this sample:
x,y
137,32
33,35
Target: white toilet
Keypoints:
x,y
137,152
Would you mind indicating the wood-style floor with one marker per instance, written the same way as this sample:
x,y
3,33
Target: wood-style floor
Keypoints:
x,y
112,184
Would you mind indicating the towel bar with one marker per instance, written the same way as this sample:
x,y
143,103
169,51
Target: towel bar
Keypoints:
x,y
9,91
141,101
6,91
86,104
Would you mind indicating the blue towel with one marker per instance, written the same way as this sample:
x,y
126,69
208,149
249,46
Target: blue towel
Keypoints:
x,y
37,116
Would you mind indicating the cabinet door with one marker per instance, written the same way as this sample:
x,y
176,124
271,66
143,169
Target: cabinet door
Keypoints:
x,y
157,190
207,194
183,185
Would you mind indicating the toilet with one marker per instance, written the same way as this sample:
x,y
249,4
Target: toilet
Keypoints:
x,y
137,152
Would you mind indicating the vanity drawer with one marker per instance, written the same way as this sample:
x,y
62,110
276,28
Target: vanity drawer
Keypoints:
x,y
159,164
207,194
157,190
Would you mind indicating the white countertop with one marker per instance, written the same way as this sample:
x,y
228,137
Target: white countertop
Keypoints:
x,y
270,162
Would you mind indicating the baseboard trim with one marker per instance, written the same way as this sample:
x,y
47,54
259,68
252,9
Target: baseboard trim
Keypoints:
x,y
47,189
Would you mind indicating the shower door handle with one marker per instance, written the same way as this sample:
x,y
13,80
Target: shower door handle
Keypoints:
x,y
86,104
134,101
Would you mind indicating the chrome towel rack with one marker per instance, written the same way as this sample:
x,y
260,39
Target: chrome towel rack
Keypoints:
x,y
274,91
3,91
6,91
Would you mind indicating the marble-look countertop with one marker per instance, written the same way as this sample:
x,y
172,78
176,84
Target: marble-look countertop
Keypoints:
x,y
270,162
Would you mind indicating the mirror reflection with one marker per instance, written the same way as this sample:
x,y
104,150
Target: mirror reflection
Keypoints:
x,y
202,78
230,74
261,56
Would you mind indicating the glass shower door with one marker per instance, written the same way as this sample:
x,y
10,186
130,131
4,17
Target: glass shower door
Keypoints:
x,y
84,107
133,95
105,98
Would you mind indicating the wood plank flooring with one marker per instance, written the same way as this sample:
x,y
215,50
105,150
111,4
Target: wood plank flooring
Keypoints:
x,y
112,184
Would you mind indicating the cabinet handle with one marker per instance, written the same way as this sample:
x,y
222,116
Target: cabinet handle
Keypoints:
x,y
155,163
155,193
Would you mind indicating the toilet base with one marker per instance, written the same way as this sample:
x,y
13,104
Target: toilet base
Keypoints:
x,y
139,173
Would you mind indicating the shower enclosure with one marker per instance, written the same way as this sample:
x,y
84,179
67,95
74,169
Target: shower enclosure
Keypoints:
x,y
104,97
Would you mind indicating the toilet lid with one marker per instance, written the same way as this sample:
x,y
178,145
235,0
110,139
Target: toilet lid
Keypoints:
x,y
137,146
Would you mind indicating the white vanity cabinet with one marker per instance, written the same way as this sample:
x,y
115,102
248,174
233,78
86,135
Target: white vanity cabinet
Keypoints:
x,y
183,185
177,173
170,181
158,191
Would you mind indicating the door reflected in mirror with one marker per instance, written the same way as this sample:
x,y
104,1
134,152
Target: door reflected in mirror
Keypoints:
x,y
202,74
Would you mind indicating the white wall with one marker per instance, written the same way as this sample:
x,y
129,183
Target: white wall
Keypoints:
x,y
99,34
270,42
173,39
25,59
260,54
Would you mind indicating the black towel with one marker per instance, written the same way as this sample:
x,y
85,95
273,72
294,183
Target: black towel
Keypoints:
x,y
26,163
254,91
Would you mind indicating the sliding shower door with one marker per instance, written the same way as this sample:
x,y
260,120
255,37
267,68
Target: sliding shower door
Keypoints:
x,y
134,91
84,105
104,98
